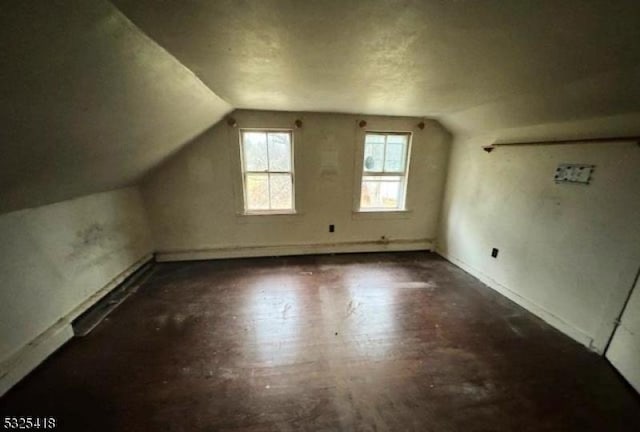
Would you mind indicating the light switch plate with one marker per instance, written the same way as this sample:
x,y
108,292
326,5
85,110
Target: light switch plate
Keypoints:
x,y
574,173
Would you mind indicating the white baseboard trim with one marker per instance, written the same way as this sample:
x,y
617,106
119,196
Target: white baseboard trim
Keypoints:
x,y
548,317
31,355
27,358
297,249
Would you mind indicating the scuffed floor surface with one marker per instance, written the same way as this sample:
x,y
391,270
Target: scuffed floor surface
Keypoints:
x,y
371,342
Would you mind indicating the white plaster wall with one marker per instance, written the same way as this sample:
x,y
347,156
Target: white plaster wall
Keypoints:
x,y
624,351
195,200
54,258
568,253
89,102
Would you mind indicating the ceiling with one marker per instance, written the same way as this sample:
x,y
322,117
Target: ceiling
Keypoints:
x,y
476,64
95,93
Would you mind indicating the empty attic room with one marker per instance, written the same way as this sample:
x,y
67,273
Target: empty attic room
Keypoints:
x,y
279,215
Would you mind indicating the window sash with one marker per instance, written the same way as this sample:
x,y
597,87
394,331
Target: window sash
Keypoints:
x,y
380,181
268,172
386,136
246,173
383,174
380,176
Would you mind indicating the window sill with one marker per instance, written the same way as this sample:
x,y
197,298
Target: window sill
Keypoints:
x,y
268,217
269,213
382,214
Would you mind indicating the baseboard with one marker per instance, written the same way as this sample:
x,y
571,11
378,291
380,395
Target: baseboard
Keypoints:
x,y
18,365
295,249
35,352
547,316
94,298
93,316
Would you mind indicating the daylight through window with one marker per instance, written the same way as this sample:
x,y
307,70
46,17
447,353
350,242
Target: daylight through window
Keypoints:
x,y
267,166
384,171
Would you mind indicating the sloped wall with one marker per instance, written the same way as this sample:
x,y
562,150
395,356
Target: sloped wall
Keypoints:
x,y
53,259
195,200
89,102
568,253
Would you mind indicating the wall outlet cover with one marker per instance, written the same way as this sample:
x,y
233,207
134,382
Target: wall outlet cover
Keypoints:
x,y
574,173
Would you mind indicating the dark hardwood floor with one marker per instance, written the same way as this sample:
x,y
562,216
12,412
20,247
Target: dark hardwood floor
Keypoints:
x,y
363,342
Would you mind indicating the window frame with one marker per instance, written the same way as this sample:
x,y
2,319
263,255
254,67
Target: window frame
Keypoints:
x,y
402,207
244,172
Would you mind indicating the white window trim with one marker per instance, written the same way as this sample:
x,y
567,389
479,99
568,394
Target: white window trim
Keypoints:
x,y
246,211
362,173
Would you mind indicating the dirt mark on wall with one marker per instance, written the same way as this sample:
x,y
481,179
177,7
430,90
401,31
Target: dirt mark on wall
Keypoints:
x,y
87,239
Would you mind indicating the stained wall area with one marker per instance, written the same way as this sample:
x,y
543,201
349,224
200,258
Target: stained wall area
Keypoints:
x,y
55,261
195,200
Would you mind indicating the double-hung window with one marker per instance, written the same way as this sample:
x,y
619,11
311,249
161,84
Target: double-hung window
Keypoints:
x,y
267,171
384,171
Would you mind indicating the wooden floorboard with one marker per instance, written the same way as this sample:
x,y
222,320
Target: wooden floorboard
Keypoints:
x,y
363,342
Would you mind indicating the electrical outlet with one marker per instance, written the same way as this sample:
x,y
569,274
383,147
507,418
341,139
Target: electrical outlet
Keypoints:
x,y
494,253
332,228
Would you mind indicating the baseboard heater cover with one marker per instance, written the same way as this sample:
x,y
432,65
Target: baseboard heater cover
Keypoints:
x,y
93,316
19,364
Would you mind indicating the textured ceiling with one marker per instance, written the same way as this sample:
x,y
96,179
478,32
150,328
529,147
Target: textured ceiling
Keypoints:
x,y
476,64
94,95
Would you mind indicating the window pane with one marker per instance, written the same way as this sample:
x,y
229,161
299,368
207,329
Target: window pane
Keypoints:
x,y
281,192
279,151
374,138
254,151
257,191
396,153
373,152
381,192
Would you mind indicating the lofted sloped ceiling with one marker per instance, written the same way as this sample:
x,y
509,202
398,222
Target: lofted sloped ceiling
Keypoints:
x,y
94,94
88,102
478,65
